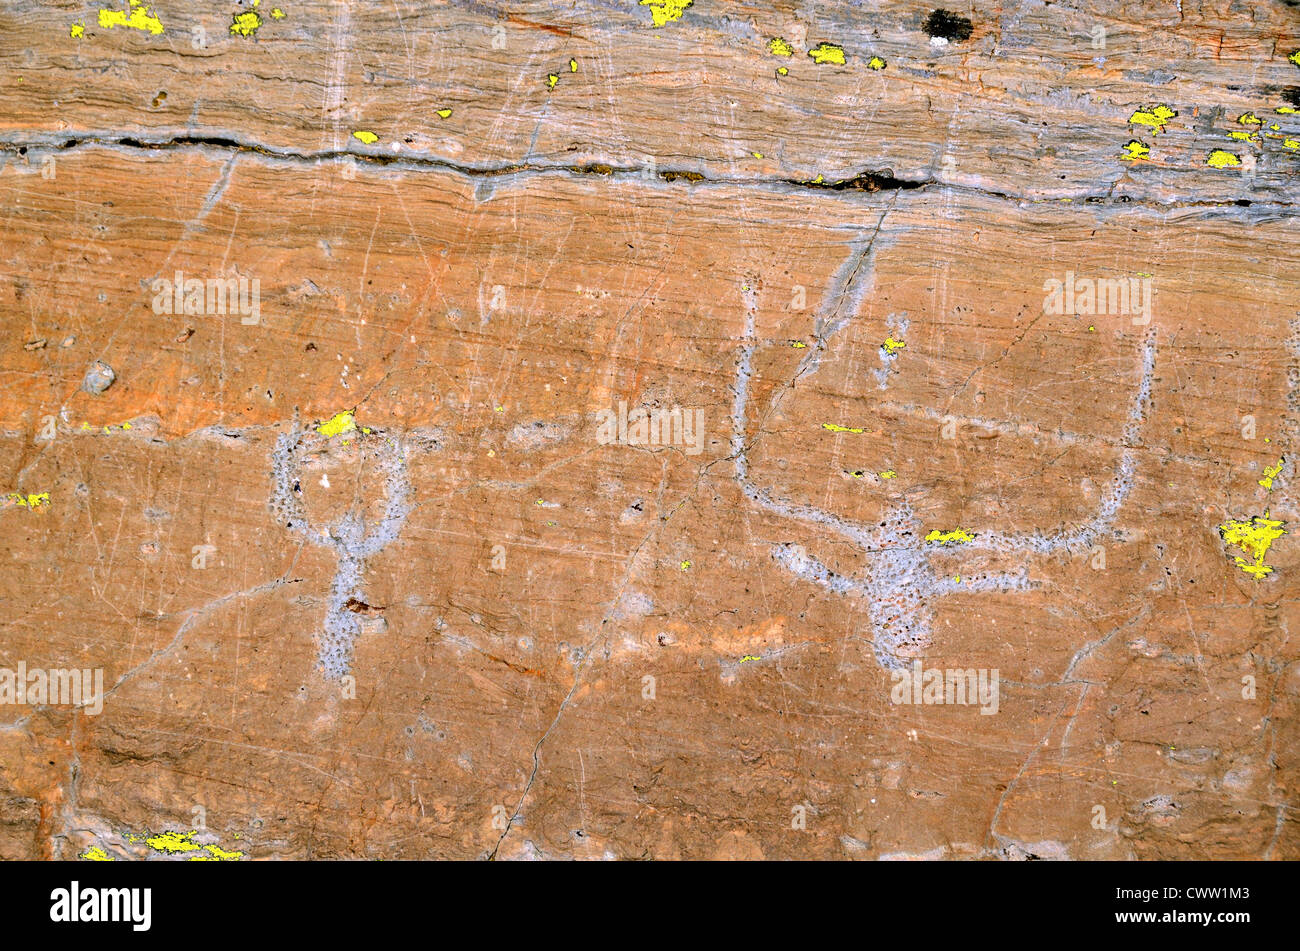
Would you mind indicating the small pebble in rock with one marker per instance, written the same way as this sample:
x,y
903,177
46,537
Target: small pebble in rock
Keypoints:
x,y
99,377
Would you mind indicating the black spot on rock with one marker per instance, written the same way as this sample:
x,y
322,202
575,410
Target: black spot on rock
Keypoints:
x,y
1292,95
948,26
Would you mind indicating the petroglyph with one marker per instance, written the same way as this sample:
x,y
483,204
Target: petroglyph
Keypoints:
x,y
899,580
351,538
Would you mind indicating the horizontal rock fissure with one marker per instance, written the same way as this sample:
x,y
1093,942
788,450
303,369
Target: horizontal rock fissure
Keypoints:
x,y
866,181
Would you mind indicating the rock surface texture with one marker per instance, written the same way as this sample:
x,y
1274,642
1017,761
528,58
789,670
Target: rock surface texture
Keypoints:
x,y
466,429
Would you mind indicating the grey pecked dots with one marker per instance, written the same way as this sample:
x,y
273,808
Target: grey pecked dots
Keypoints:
x,y
351,538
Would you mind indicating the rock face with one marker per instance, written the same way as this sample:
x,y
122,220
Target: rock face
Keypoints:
x,y
660,430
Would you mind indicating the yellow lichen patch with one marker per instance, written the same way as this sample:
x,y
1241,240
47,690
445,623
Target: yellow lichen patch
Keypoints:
x,y
749,657
78,31
1135,150
96,854
1254,537
841,429
887,474
1221,159
246,24
551,80
221,855
782,71
1291,143
1157,117
139,17
1249,118
1244,137
277,13
876,63
1294,57
892,346
573,65
173,842
1286,110
827,53
444,113
665,11
798,344
685,565
369,138
958,536
778,46
340,423
1271,473
33,501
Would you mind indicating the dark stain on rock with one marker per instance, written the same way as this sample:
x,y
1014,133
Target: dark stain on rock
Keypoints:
x,y
882,180
948,26
357,606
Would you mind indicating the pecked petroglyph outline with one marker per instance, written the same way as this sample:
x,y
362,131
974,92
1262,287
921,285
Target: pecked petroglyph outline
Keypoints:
x,y
898,580
348,537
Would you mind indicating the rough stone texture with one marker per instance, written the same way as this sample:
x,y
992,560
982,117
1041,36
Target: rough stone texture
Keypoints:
x,y
479,288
